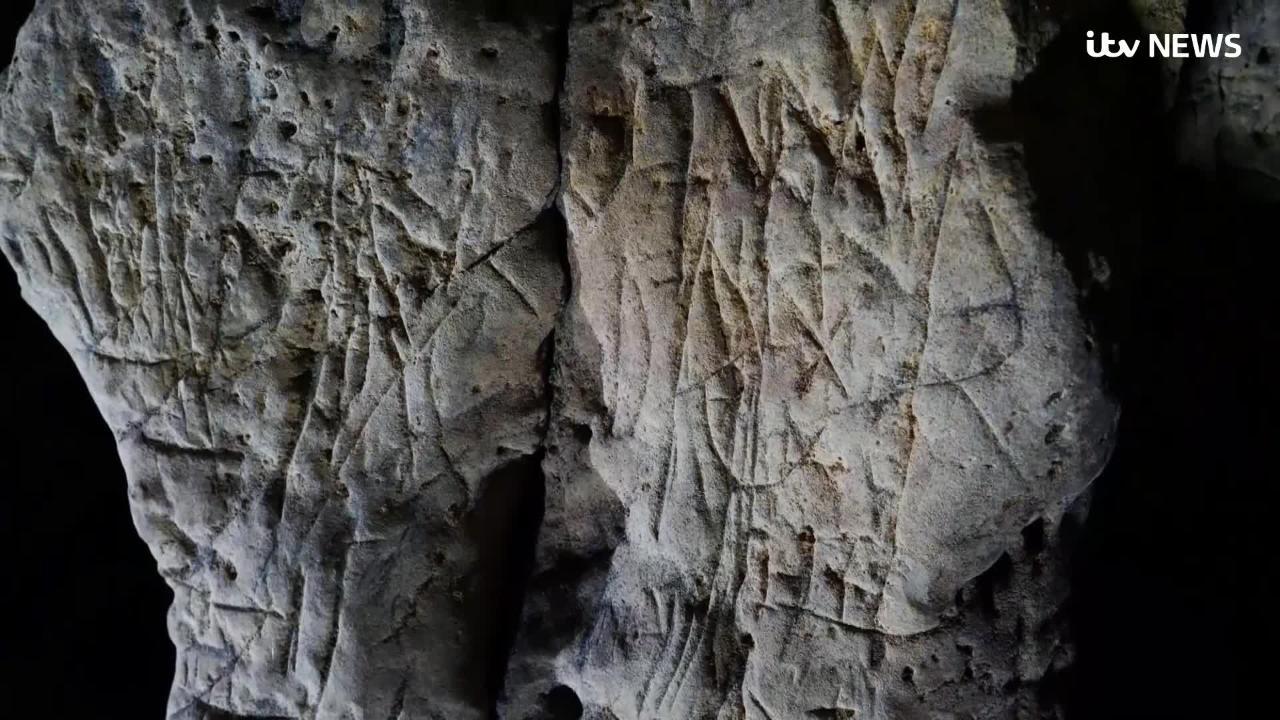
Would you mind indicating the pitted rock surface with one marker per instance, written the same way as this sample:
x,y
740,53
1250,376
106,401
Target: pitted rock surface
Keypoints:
x,y
296,252
1229,107
823,359
813,417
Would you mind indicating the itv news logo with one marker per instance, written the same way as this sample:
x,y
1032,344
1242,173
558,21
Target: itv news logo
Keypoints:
x,y
1166,46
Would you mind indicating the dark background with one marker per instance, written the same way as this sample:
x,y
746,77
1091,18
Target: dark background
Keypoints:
x,y
1174,572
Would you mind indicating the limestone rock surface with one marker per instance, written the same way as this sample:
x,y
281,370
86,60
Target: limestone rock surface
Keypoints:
x,y
1230,107
809,387
295,250
823,359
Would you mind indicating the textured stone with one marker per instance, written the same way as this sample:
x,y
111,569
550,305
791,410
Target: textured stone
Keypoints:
x,y
1230,107
296,255
823,359
821,400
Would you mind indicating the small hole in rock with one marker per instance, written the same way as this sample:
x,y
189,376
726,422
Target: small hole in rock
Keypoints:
x,y
1033,537
288,130
562,703
1054,432
990,583
1264,56
489,53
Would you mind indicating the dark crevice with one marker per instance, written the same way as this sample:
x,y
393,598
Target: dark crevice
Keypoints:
x,y
1033,539
995,579
508,520
562,703
393,30
523,13
559,117
504,529
278,13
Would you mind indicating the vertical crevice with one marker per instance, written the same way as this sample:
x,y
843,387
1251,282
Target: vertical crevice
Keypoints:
x,y
504,529
509,516
557,118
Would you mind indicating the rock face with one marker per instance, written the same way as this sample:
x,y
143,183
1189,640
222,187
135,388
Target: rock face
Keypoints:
x,y
823,359
1230,107
298,257
812,417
